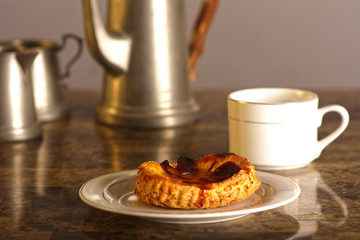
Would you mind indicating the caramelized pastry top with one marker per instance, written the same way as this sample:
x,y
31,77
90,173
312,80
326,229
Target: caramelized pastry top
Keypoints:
x,y
203,170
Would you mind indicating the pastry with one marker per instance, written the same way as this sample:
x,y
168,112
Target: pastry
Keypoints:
x,y
215,180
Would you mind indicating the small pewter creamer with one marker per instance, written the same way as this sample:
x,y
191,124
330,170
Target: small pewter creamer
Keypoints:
x,y
18,120
48,82
145,54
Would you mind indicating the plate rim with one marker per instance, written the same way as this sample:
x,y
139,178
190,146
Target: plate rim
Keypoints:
x,y
107,206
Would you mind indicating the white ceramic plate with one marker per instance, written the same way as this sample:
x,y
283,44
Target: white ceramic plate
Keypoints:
x,y
114,192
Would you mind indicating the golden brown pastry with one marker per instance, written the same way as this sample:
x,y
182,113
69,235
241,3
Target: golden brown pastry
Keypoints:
x,y
215,180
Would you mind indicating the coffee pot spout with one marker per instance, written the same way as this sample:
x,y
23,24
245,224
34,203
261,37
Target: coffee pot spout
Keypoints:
x,y
112,50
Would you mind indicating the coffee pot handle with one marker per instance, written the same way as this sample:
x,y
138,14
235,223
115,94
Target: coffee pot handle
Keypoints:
x,y
79,42
198,36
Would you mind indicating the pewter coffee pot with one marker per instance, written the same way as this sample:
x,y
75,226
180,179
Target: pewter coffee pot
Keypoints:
x,y
145,55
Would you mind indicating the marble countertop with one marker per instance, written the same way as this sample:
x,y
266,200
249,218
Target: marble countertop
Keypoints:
x,y
40,179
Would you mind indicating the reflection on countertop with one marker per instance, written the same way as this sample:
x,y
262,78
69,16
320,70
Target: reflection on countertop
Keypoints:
x,y
40,179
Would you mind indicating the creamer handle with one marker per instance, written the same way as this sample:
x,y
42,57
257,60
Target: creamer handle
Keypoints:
x,y
77,55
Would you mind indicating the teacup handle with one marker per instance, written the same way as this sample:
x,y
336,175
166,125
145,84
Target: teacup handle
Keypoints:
x,y
336,133
74,58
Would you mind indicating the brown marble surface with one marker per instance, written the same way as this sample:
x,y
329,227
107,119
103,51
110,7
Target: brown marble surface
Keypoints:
x,y
40,180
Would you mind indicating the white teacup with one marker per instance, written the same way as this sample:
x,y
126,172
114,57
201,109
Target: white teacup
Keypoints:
x,y
276,128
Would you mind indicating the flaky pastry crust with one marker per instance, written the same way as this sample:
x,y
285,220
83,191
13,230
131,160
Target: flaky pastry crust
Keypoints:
x,y
205,187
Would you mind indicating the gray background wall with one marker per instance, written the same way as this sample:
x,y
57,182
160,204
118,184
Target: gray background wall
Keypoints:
x,y
252,43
